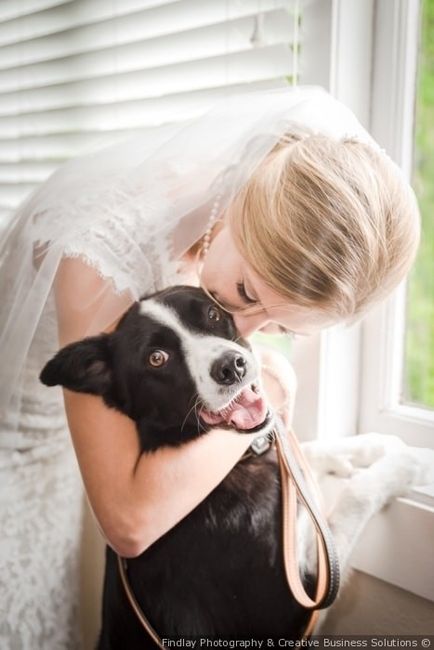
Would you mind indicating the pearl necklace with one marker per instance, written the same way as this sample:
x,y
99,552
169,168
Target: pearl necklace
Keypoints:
x,y
211,223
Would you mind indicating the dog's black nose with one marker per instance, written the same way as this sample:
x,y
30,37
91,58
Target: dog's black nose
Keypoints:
x,y
229,368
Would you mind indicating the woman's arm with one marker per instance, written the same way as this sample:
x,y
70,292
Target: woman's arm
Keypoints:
x,y
135,498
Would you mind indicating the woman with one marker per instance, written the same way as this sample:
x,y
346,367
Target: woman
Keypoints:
x,y
300,221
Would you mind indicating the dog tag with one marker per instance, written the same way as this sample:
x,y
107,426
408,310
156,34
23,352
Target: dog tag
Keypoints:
x,y
260,445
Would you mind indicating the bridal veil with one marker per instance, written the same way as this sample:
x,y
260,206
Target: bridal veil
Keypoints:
x,y
122,208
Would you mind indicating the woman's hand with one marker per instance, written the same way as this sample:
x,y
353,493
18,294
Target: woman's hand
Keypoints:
x,y
279,381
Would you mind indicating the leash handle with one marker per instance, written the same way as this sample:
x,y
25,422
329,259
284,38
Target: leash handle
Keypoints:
x,y
292,465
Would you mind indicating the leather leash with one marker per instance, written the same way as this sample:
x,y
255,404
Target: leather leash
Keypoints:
x,y
296,481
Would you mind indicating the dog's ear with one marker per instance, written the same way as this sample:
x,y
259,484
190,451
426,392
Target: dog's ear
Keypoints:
x,y
84,367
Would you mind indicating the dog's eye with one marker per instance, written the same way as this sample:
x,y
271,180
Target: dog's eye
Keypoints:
x,y
158,358
213,313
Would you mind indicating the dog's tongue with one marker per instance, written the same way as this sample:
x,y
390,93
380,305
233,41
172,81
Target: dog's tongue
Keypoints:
x,y
248,411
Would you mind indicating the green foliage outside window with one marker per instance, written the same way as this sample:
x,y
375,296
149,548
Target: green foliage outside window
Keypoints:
x,y
419,344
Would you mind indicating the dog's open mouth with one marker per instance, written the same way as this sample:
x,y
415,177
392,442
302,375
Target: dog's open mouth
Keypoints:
x,y
246,411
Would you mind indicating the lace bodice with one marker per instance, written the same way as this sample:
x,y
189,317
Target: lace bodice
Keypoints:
x,y
126,239
121,227
41,509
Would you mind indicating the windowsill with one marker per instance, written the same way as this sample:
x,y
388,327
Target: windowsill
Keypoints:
x,y
396,545
423,495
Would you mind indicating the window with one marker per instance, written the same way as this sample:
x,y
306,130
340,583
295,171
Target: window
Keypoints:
x,y
418,375
350,378
390,549
390,353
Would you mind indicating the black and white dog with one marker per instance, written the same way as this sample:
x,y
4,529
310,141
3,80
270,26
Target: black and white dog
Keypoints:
x,y
176,366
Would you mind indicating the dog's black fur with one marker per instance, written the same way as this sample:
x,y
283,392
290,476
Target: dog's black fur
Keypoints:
x,y
219,572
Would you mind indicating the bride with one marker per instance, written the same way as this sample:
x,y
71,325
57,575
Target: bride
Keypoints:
x,y
298,220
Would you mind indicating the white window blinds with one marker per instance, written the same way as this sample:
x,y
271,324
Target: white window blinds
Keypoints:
x,y
77,74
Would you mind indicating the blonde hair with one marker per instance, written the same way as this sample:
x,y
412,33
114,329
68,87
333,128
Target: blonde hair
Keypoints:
x,y
327,224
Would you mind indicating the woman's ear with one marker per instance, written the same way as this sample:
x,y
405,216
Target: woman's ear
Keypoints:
x,y
84,366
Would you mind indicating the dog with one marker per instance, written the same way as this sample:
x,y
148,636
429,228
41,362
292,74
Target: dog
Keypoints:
x,y
176,365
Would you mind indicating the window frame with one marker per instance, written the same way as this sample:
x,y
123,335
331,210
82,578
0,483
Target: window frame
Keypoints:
x,y
392,124
373,58
396,40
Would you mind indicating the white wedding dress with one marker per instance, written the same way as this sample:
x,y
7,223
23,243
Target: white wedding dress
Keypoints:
x,y
41,502
130,212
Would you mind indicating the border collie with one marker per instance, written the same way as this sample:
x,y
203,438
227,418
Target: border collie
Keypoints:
x,y
177,367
